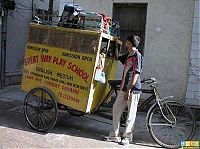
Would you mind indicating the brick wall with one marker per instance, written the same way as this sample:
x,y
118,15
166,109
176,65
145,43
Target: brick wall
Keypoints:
x,y
193,85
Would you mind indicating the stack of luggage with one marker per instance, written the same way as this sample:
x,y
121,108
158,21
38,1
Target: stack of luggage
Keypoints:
x,y
70,16
74,16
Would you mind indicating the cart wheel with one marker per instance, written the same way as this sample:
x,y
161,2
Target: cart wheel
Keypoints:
x,y
40,109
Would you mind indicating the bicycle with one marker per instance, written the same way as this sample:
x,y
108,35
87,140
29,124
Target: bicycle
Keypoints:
x,y
174,115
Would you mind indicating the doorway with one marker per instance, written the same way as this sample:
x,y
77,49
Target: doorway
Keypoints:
x,y
132,19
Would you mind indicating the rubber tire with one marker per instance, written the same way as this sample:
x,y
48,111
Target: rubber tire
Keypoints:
x,y
149,117
54,104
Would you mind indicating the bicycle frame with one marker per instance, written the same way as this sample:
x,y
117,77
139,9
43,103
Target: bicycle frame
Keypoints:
x,y
154,95
159,101
148,100
140,106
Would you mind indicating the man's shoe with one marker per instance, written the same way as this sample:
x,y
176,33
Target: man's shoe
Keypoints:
x,y
125,141
116,139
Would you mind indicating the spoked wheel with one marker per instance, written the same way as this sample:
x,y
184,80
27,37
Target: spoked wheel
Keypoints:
x,y
40,109
174,124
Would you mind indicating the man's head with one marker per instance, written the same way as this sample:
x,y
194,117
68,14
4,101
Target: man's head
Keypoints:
x,y
132,41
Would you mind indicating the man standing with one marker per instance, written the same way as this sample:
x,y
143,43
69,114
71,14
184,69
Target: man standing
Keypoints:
x,y
129,92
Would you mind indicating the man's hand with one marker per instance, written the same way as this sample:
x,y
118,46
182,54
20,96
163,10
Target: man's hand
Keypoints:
x,y
115,38
127,95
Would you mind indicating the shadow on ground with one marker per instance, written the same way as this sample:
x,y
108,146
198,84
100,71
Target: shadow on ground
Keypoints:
x,y
87,126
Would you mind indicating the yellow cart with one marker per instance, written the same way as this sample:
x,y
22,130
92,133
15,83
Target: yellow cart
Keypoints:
x,y
60,67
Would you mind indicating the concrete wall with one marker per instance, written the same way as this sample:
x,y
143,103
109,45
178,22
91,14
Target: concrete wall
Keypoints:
x,y
18,21
42,4
167,47
193,85
18,25
168,40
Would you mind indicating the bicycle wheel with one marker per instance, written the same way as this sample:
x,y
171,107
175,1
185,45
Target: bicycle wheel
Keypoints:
x,y
176,124
40,109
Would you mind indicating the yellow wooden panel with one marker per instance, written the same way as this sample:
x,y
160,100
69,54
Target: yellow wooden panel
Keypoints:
x,y
62,71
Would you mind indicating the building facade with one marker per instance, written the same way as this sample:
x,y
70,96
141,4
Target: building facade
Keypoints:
x,y
16,34
169,31
193,83
171,47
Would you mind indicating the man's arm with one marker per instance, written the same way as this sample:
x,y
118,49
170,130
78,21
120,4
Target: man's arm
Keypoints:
x,y
137,71
133,81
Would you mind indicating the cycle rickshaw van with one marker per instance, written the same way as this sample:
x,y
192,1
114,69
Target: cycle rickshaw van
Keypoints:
x,y
68,69
65,61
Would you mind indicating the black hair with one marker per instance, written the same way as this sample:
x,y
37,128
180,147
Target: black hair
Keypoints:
x,y
135,40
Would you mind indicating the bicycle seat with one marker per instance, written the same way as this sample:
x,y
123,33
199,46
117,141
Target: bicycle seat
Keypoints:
x,y
114,82
149,81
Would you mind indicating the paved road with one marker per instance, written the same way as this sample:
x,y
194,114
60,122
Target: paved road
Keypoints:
x,y
69,132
